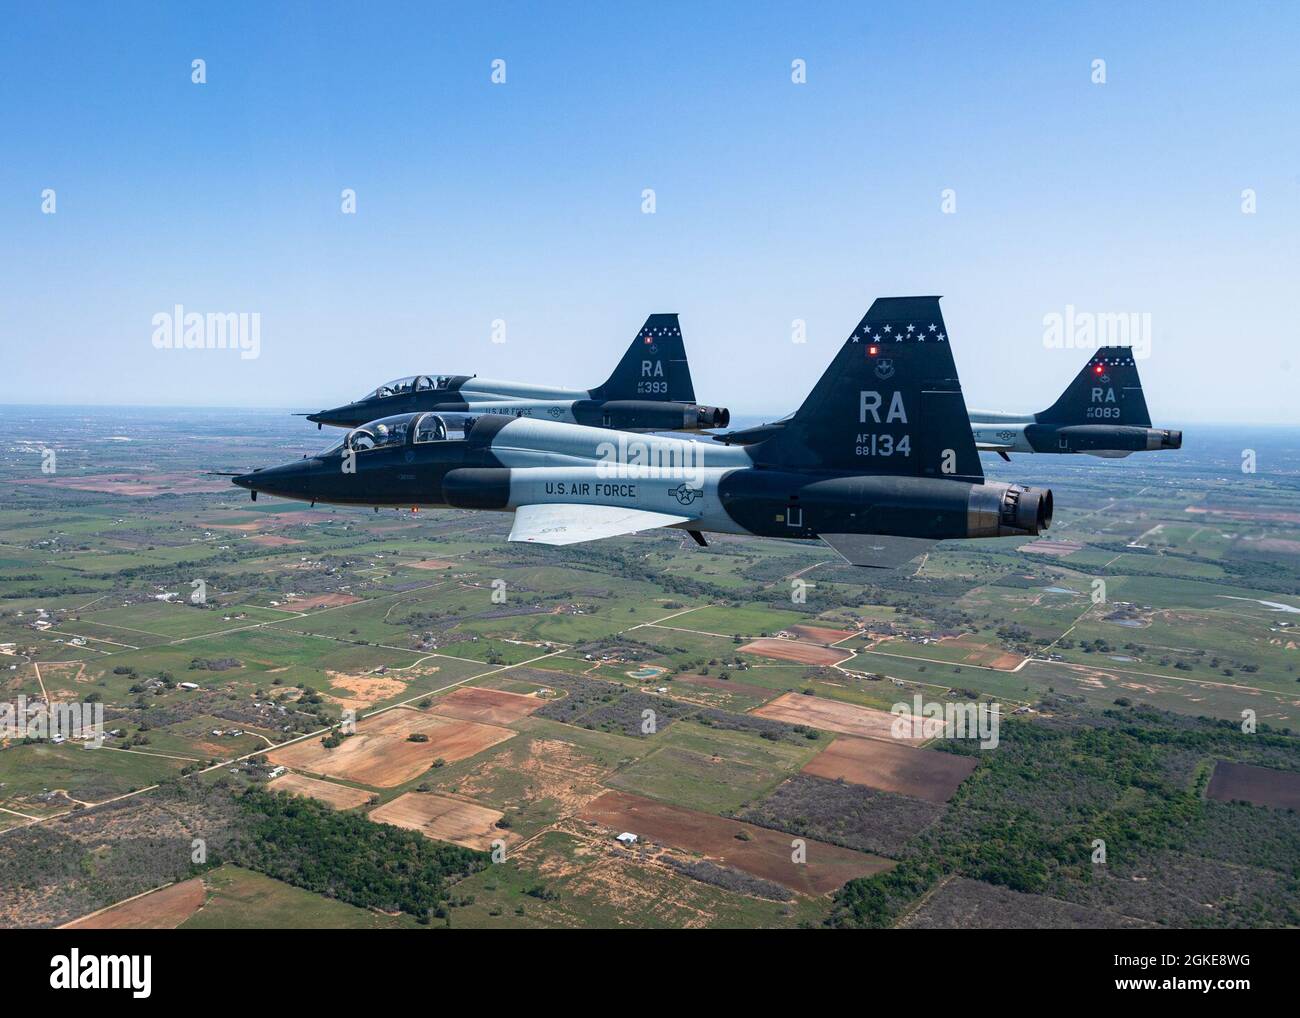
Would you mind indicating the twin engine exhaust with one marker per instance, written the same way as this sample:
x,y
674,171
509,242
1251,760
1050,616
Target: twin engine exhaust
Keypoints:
x,y
1008,510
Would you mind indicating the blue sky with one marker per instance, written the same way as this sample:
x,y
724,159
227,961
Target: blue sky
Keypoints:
x,y
522,201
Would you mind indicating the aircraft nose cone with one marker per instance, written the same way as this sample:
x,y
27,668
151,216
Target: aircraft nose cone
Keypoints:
x,y
287,480
339,417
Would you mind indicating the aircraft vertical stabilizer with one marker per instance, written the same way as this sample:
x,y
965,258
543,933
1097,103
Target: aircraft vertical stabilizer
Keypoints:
x,y
890,402
654,366
1107,391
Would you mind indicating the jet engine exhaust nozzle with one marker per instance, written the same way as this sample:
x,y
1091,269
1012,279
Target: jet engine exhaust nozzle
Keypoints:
x,y
1163,438
712,417
1008,510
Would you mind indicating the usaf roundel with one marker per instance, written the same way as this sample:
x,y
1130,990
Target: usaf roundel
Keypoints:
x,y
686,494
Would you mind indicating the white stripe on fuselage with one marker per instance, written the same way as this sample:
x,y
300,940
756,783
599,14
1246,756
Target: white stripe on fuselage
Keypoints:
x,y
541,409
993,430
490,390
524,440
579,465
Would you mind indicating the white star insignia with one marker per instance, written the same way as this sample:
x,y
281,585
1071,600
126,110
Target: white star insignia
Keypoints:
x,y
911,328
889,328
941,337
931,326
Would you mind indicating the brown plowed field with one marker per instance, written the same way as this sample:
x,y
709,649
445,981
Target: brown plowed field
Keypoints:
x,y
380,755
338,796
984,654
435,816
1262,786
893,767
765,853
837,716
161,910
820,634
796,650
492,706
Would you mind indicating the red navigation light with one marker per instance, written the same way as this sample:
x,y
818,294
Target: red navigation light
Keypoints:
x,y
649,340
1097,369
872,350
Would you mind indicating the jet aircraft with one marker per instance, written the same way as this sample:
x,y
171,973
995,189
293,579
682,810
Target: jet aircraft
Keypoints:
x,y
650,390
1102,413
878,462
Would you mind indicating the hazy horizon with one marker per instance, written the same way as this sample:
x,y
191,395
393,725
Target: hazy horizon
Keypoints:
x,y
740,418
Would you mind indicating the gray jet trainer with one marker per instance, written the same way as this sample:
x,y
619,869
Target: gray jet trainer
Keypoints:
x,y
1102,413
879,463
650,390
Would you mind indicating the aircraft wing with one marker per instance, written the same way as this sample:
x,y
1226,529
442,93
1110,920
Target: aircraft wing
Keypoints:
x,y
558,523
877,551
1003,449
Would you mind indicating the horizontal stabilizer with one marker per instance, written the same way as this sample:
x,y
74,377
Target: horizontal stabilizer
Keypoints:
x,y
559,523
876,551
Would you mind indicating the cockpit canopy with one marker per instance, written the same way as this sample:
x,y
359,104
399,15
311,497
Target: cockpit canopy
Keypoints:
x,y
410,384
402,429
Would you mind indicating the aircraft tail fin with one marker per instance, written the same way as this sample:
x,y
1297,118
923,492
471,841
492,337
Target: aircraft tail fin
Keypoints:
x,y
654,366
1107,391
890,402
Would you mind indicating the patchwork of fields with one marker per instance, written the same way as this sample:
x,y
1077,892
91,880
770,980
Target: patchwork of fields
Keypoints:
x,y
646,686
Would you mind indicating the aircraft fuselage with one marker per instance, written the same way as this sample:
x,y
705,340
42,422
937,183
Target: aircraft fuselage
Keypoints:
x,y
506,463
476,396
1023,433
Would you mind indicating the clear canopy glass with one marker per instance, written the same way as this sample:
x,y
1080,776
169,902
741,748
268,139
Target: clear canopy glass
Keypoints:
x,y
412,383
397,387
430,428
400,429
